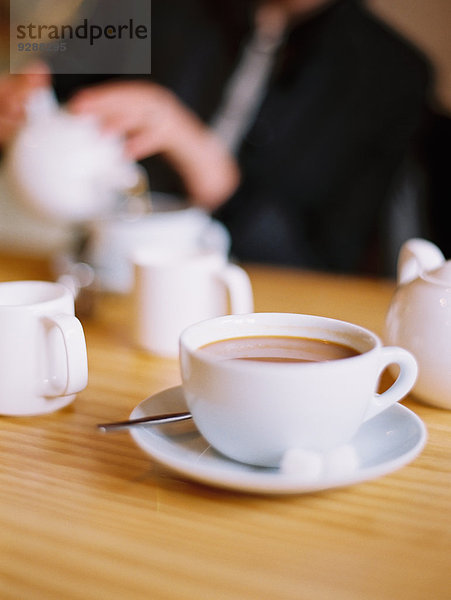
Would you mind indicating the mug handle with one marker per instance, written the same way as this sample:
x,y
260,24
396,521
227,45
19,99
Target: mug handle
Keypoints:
x,y
239,288
401,387
76,357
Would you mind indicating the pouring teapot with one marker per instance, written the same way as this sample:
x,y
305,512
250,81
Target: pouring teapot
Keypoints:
x,y
419,318
63,168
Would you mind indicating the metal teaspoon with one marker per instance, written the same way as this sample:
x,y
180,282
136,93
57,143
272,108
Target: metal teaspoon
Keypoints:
x,y
151,420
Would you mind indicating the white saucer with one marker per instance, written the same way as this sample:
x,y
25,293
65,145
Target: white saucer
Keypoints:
x,y
382,445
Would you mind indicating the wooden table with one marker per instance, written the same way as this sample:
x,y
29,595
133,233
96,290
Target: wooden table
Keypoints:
x,y
89,516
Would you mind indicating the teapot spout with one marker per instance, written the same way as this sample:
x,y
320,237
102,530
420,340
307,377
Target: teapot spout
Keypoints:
x,y
416,257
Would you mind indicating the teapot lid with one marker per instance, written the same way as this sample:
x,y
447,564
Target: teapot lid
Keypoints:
x,y
418,258
442,274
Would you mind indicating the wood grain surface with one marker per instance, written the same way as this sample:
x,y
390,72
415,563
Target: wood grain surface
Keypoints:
x,y
89,516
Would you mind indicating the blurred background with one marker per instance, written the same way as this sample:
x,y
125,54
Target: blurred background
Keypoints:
x,y
424,22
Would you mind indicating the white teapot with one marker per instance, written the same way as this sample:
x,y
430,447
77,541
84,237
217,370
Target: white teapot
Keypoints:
x,y
63,168
419,318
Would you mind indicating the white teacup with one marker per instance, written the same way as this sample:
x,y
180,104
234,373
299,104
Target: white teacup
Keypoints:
x,y
175,287
43,361
256,411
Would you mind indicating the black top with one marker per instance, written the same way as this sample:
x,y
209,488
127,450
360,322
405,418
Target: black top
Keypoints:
x,y
343,106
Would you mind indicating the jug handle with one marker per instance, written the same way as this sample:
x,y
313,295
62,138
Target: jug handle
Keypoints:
x,y
417,256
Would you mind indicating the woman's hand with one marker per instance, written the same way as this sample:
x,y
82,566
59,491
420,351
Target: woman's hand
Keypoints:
x,y
14,93
152,120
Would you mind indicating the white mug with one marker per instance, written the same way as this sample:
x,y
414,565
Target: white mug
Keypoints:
x,y
175,288
43,361
256,412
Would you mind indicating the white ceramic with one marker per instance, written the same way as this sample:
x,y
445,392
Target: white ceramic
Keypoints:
x,y
170,224
175,288
43,361
256,412
63,168
419,318
382,445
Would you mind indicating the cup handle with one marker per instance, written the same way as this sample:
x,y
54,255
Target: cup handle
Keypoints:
x,y
403,384
239,288
75,356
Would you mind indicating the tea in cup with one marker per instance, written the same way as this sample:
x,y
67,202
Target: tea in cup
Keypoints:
x,y
175,287
43,362
264,384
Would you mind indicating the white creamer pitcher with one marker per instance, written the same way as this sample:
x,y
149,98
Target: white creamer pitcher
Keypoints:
x,y
419,318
